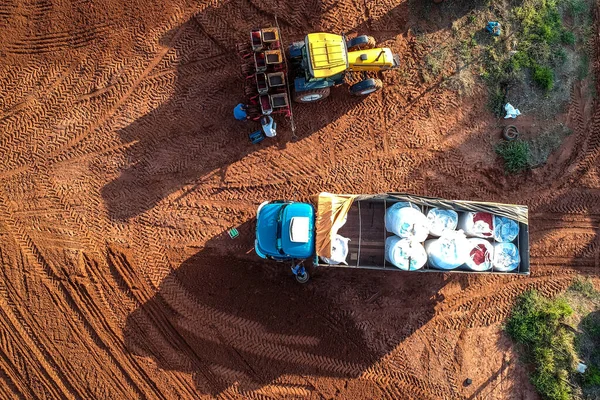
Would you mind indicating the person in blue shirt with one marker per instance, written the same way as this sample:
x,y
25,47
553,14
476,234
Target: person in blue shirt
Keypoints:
x,y
239,112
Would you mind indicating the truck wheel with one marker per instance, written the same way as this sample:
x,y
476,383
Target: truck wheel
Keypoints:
x,y
303,278
361,42
311,96
366,87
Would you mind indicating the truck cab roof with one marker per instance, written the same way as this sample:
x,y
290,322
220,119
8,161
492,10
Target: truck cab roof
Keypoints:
x,y
285,230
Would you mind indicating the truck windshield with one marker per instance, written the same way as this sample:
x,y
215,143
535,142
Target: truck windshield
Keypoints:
x,y
279,218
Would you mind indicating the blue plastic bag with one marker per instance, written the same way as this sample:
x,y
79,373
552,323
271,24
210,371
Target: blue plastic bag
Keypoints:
x,y
493,27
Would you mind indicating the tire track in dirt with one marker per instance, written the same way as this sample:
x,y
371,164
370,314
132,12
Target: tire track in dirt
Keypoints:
x,y
59,41
123,98
70,297
138,292
142,293
62,139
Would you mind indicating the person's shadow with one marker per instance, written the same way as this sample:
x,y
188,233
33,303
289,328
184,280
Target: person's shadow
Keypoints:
x,y
232,321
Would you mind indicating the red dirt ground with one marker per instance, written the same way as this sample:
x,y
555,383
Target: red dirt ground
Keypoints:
x,y
121,168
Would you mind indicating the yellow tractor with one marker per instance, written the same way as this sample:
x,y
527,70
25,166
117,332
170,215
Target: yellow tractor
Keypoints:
x,y
322,60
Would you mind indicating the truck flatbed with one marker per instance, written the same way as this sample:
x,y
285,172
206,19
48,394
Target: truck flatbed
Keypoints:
x,y
365,227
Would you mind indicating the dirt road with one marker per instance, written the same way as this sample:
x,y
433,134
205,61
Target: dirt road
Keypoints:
x,y
121,168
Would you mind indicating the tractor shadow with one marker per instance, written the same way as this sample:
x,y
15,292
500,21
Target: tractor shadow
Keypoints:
x,y
419,16
236,323
193,138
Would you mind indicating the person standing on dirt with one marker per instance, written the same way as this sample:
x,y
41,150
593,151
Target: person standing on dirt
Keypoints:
x,y
239,112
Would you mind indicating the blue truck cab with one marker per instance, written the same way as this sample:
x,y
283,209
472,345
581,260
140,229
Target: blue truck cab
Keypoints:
x,y
285,231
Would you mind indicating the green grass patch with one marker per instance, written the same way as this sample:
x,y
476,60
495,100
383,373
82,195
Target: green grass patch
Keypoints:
x,y
588,342
541,34
434,65
537,324
576,7
515,155
584,66
542,46
541,146
592,377
584,287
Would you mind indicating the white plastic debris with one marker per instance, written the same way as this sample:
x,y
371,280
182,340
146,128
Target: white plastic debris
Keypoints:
x,y
581,367
339,251
511,112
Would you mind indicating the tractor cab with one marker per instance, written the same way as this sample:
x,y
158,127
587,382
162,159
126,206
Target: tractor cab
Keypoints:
x,y
326,53
319,63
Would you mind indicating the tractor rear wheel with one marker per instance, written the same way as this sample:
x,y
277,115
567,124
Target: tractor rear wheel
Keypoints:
x,y
311,96
366,87
361,42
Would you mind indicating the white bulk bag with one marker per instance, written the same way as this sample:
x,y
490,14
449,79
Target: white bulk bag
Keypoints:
x,y
441,220
506,257
481,254
450,251
477,224
406,254
407,221
339,251
505,229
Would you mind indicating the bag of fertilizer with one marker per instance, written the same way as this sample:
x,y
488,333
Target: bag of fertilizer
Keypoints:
x,y
406,254
506,257
505,229
339,251
477,224
480,255
441,220
407,221
450,251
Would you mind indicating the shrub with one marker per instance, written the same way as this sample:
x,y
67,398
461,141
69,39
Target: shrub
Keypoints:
x,y
592,376
536,323
568,37
544,77
515,155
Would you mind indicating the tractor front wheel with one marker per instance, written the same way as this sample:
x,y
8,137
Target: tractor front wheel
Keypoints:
x,y
311,96
362,42
366,87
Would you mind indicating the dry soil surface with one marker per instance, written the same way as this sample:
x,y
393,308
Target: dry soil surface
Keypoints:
x,y
121,168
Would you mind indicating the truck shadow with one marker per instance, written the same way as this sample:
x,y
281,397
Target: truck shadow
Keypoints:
x,y
193,136
240,325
